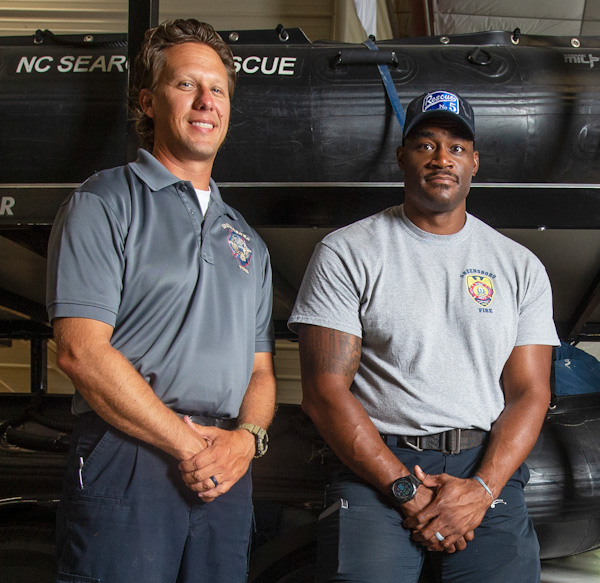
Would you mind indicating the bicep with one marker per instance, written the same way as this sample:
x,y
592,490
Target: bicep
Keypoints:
x,y
527,371
76,335
328,357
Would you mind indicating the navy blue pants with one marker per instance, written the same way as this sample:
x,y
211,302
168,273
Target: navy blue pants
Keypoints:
x,y
366,541
125,516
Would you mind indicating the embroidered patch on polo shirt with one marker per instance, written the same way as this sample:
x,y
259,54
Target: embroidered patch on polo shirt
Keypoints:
x,y
238,243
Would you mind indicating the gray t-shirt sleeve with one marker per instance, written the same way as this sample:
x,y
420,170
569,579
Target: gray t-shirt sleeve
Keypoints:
x,y
85,261
329,295
536,323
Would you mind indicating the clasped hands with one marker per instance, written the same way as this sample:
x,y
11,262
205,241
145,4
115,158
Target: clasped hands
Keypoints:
x,y
224,460
451,506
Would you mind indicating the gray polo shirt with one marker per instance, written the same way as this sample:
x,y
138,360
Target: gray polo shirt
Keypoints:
x,y
189,296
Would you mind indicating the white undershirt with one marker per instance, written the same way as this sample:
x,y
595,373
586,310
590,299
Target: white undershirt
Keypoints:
x,y
203,199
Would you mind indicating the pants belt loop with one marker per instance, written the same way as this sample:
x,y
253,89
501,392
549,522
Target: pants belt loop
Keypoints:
x,y
455,442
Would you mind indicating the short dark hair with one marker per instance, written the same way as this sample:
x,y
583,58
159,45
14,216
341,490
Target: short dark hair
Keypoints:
x,y
151,60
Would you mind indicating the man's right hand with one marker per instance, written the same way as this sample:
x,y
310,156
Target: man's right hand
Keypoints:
x,y
423,498
191,442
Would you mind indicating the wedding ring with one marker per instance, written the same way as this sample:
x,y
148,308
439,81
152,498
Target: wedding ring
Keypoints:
x,y
439,536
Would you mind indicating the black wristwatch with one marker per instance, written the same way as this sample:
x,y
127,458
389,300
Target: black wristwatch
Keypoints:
x,y
404,489
261,438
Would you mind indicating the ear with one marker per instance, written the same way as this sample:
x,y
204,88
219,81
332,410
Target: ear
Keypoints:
x,y
146,101
400,157
475,162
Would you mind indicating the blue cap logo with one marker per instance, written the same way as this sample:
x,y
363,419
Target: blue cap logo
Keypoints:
x,y
441,100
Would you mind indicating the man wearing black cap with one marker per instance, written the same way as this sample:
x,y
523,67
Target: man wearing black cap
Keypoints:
x,y
425,344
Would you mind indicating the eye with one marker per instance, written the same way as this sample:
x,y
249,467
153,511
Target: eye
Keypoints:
x,y
219,91
185,85
458,148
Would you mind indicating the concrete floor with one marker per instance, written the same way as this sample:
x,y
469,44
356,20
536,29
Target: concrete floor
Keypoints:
x,y
584,568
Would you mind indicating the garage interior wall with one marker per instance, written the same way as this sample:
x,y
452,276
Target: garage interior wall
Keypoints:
x,y
547,17
319,19
23,17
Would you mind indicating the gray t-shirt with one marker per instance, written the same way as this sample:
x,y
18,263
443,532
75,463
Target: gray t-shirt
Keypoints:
x,y
189,296
438,315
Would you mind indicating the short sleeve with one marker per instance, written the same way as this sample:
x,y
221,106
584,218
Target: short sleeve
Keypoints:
x,y
265,337
85,260
329,295
536,323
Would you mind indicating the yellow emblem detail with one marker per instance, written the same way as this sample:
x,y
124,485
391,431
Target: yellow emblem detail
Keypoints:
x,y
481,289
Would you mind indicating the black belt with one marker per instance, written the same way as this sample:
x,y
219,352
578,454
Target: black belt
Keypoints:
x,y
452,441
213,421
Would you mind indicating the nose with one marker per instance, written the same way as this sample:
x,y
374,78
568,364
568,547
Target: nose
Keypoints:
x,y
441,158
204,99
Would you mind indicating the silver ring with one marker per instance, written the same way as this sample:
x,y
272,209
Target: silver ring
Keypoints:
x,y
439,536
214,481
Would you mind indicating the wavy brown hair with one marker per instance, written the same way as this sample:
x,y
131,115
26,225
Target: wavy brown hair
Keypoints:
x,y
150,62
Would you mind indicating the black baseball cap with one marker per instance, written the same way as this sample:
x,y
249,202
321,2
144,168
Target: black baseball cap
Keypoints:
x,y
439,104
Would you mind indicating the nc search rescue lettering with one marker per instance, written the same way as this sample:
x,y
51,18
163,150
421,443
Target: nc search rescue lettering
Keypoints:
x,y
73,64
6,204
265,65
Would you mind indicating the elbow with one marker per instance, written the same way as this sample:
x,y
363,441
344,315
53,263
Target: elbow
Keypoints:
x,y
81,347
73,358
307,406
310,407
68,361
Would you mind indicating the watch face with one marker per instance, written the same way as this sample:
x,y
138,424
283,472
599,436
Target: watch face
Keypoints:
x,y
262,444
404,489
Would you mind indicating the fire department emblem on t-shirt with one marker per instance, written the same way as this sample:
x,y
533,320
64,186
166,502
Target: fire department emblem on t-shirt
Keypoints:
x,y
481,289
239,248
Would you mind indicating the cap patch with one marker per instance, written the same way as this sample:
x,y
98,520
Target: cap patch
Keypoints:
x,y
441,100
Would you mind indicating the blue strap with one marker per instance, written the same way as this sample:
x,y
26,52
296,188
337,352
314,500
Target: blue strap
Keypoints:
x,y
388,83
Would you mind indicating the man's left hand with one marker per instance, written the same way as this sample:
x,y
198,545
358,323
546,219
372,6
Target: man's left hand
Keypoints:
x,y
457,509
226,459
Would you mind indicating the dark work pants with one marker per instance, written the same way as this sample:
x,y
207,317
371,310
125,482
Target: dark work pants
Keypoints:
x,y
366,541
125,517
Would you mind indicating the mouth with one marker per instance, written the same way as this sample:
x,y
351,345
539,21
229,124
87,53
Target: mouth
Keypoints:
x,y
441,177
203,124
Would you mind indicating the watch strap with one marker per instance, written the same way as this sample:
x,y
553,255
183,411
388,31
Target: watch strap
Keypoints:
x,y
261,438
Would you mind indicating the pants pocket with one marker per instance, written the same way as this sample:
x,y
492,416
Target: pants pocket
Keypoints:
x,y
101,462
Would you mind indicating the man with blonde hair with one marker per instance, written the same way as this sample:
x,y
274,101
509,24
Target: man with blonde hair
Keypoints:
x,y
160,297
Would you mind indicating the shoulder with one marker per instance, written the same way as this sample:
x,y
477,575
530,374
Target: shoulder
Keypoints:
x,y
502,243
111,184
110,188
373,226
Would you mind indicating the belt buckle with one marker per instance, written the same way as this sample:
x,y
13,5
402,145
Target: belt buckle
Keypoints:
x,y
416,446
451,440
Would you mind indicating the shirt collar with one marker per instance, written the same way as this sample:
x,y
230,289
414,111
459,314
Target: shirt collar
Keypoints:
x,y
156,176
